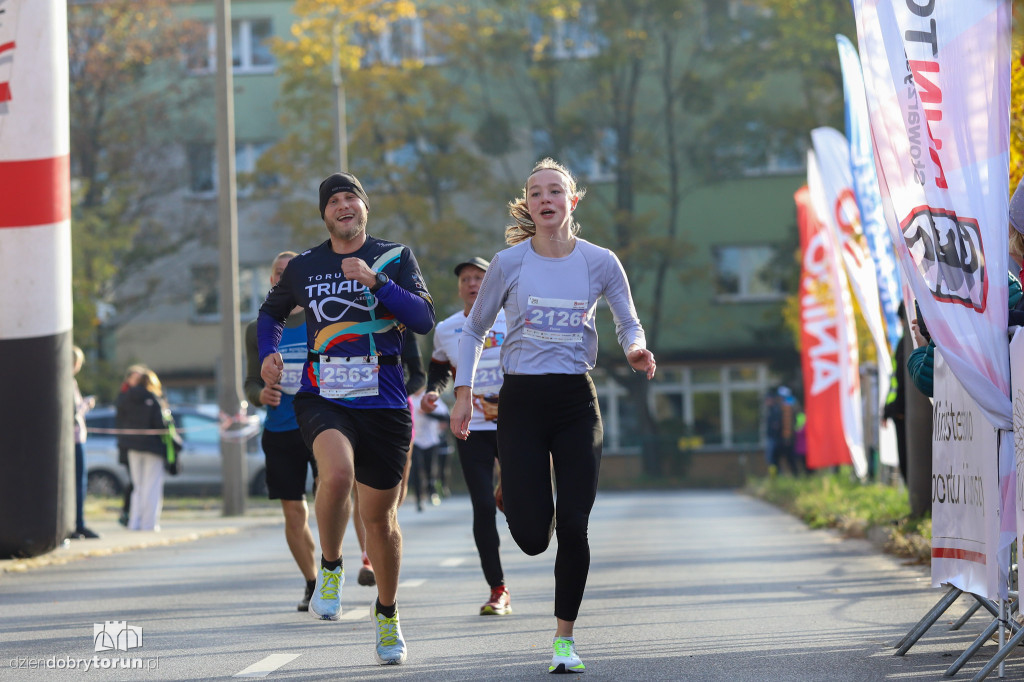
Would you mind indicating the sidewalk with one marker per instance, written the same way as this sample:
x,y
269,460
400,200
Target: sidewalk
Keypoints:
x,y
177,525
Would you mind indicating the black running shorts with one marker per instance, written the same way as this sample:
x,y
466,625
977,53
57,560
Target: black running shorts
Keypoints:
x,y
380,436
287,461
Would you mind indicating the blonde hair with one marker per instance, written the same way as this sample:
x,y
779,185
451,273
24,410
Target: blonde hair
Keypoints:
x,y
77,355
524,227
151,382
283,254
1016,245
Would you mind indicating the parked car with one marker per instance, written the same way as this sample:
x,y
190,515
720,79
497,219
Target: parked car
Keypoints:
x,y
200,456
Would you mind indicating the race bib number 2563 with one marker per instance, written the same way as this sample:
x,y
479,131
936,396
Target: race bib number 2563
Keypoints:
x,y
348,377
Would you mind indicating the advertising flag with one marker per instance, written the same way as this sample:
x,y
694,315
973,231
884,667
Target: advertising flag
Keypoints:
x,y
842,217
848,355
825,308
937,81
865,189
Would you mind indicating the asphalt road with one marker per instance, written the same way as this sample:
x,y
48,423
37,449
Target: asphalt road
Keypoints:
x,y
683,586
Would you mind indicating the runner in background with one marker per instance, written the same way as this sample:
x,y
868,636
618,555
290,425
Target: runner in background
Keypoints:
x,y
287,457
478,453
430,429
415,377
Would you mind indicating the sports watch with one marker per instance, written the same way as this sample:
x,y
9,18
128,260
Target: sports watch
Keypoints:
x,y
382,279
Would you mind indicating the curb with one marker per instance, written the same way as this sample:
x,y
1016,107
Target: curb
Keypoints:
x,y
115,539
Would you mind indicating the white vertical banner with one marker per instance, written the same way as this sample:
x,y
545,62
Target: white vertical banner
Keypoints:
x,y
865,187
1017,481
965,491
843,219
848,355
937,80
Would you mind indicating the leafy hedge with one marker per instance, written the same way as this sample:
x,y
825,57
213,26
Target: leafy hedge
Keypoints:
x,y
877,511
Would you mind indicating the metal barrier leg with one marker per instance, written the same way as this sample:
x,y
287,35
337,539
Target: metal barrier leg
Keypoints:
x,y
1000,655
966,617
910,639
972,649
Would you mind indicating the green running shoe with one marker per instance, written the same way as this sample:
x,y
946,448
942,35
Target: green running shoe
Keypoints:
x,y
390,643
565,659
326,601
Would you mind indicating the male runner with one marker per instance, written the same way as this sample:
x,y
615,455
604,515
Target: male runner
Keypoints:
x,y
359,293
478,453
287,456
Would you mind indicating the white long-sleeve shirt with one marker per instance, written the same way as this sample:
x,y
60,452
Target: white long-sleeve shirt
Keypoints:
x,y
549,308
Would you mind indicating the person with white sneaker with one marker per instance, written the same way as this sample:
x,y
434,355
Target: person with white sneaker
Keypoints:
x,y
361,296
549,283
478,453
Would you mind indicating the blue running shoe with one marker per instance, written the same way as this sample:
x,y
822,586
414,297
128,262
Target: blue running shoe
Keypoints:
x,y
390,643
565,659
326,601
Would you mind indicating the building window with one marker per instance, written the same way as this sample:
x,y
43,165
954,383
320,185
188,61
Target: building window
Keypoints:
x,y
747,274
567,38
252,291
592,160
202,167
410,39
754,149
731,22
711,407
250,48
406,164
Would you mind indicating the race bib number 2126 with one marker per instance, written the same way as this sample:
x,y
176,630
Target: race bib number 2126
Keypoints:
x,y
555,319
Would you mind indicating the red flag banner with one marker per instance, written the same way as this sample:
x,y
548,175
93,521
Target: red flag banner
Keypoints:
x,y
824,304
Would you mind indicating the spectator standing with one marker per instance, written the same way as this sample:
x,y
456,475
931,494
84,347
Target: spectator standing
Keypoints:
x,y
142,416
82,406
132,375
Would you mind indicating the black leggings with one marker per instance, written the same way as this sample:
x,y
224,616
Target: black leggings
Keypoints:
x,y
545,420
476,455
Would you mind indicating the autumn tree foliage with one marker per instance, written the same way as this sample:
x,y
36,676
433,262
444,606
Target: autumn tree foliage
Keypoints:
x,y
127,93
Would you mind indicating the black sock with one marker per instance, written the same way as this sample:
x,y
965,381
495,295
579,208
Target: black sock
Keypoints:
x,y
330,565
310,585
387,611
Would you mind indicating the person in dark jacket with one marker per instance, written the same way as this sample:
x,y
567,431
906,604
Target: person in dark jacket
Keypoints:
x,y
141,412
131,378
921,362
896,405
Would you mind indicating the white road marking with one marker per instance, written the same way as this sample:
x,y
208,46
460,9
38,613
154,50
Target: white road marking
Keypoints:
x,y
453,562
415,582
267,665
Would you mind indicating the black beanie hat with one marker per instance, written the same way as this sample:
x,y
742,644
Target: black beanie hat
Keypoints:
x,y
340,182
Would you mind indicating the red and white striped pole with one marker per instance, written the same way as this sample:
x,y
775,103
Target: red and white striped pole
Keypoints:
x,y
36,408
